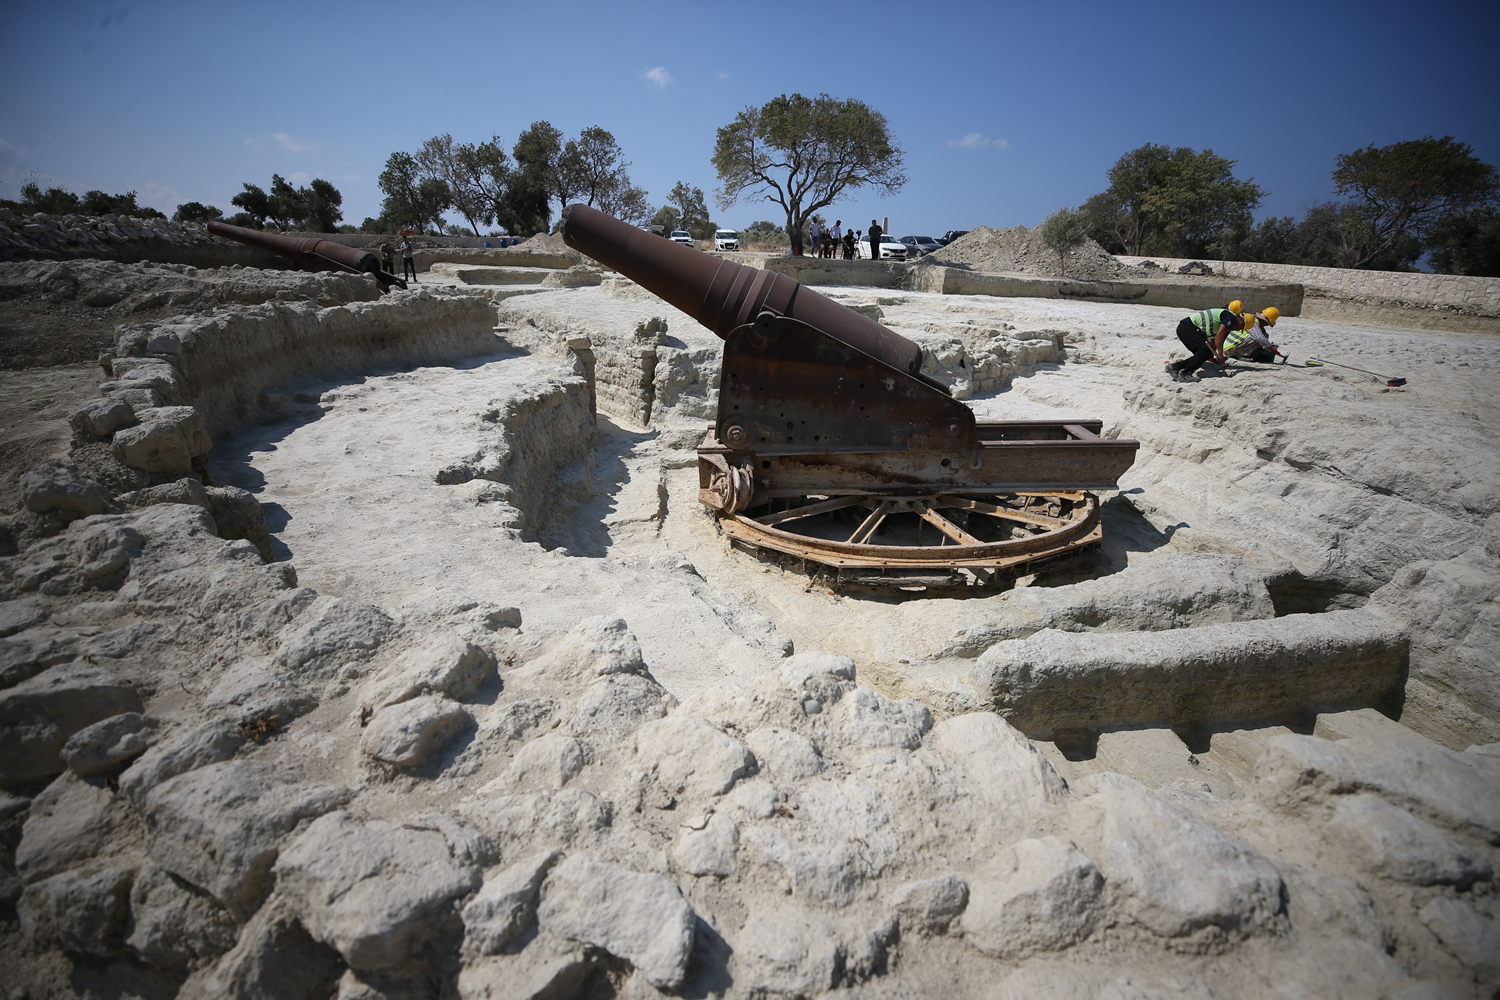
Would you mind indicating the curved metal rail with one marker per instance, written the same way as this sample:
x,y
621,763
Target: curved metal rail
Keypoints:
x,y
973,540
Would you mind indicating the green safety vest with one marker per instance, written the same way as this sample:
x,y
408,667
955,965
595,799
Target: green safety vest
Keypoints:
x,y
1236,338
1209,320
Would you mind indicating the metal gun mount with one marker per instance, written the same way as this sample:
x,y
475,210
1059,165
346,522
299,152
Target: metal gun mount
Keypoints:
x,y
831,446
309,254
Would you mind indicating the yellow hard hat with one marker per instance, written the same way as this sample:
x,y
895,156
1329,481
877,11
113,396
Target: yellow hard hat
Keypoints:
x,y
1272,314
1237,307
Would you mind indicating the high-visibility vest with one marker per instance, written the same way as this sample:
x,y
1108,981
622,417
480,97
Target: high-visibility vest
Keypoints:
x,y
1209,320
1236,338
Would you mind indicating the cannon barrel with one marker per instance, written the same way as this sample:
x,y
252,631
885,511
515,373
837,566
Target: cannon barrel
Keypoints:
x,y
723,295
308,253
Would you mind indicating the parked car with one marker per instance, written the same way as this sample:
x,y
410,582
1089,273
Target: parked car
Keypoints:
x,y
726,239
684,237
890,249
920,246
952,235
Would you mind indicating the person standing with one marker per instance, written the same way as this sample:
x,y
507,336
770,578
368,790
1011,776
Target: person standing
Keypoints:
x,y
814,232
387,259
1194,331
837,232
408,263
875,233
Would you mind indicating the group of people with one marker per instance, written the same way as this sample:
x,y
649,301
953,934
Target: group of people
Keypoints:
x,y
828,242
408,263
1220,334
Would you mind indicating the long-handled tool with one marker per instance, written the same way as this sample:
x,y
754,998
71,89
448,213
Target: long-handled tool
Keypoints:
x,y
1394,383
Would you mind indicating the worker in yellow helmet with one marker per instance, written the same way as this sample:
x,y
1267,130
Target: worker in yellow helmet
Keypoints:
x,y
1252,343
1203,335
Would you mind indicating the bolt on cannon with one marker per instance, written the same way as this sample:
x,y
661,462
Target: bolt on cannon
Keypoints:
x,y
831,446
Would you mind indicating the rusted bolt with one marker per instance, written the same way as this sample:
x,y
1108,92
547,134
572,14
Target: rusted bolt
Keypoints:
x,y
954,427
736,435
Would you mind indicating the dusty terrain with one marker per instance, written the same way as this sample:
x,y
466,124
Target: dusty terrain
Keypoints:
x,y
506,717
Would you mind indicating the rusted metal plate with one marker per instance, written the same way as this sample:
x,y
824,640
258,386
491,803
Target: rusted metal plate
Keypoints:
x,y
787,388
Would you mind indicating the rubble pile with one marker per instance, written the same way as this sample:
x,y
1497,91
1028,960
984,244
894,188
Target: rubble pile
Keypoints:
x,y
1020,250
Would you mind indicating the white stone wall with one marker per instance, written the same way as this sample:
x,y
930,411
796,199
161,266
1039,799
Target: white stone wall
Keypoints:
x,y
1405,289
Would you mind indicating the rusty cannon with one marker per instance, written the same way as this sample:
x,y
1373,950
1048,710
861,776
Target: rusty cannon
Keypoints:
x,y
832,447
309,254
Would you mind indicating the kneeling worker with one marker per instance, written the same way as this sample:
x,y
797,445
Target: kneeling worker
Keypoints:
x,y
1195,331
1252,343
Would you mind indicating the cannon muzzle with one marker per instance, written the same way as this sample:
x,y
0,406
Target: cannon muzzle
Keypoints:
x,y
308,254
723,295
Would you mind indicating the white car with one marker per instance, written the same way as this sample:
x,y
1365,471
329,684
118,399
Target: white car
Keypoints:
x,y
726,239
890,249
683,236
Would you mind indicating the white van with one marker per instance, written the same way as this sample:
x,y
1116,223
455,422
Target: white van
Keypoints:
x,y
726,239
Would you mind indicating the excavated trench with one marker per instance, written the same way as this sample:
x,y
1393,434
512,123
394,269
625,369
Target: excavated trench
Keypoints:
x,y
558,475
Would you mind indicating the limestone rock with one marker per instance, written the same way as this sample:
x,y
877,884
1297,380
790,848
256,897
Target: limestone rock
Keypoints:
x,y
998,763
1425,779
254,690
174,926
77,911
707,851
535,821
185,490
374,890
1390,841
785,952
1050,901
220,827
274,959
39,715
787,755
638,917
451,666
407,733
330,633
213,741
95,556
102,416
187,420
930,905
1329,906
549,967
595,647
868,719
55,487
506,904
1176,873
157,446
619,704
547,763
1218,673
15,616
108,743
238,514
1469,937
690,757
66,824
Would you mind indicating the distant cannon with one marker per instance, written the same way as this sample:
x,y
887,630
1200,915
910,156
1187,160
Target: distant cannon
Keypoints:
x,y
308,254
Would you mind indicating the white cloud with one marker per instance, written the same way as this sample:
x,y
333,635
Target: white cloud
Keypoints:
x,y
976,141
290,144
722,75
658,76
10,153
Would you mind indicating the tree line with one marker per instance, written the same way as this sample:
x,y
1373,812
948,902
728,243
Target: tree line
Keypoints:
x,y
1391,205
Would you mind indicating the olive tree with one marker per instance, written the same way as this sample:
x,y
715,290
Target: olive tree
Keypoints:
x,y
804,154
1064,231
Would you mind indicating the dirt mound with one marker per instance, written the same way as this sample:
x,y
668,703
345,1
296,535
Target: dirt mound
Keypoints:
x,y
545,241
1020,250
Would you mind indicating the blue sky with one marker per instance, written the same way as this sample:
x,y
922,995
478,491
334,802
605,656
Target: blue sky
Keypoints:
x,y
1005,111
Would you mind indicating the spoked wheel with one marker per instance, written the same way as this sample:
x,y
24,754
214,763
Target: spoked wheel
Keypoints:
x,y
933,540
